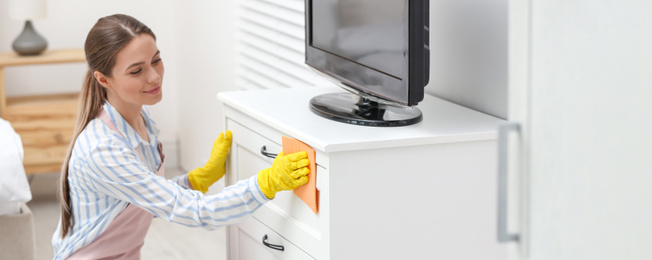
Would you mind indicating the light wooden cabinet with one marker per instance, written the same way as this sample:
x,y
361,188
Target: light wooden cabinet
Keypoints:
x,y
426,191
45,123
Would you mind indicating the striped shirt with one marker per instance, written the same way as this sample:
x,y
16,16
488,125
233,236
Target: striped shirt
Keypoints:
x,y
108,171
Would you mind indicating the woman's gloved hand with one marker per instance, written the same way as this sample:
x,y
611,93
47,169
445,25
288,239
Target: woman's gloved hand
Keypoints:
x,y
203,177
287,173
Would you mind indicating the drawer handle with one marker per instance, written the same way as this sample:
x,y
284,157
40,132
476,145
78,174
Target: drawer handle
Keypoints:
x,y
272,246
263,151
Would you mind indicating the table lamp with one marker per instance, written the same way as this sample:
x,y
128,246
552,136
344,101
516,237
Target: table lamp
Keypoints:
x,y
29,42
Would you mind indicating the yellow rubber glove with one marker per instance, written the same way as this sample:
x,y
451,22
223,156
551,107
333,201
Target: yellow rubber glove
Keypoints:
x,y
287,173
203,177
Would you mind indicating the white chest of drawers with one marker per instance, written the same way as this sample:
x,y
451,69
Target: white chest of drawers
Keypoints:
x,y
426,191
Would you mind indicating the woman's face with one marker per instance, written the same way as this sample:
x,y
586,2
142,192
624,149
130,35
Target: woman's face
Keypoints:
x,y
137,76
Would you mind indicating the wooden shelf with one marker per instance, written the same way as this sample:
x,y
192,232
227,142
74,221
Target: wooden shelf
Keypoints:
x,y
45,123
47,57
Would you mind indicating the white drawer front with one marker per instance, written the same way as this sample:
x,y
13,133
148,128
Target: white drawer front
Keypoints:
x,y
252,236
286,214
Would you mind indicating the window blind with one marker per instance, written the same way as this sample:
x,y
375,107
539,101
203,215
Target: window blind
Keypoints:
x,y
270,45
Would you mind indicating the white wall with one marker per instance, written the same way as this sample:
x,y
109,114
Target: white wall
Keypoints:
x,y
67,25
207,52
468,53
196,38
468,63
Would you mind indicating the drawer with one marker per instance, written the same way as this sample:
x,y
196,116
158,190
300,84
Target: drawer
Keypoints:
x,y
274,134
251,240
286,214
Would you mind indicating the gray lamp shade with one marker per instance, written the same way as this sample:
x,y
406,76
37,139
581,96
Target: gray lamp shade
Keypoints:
x,y
29,42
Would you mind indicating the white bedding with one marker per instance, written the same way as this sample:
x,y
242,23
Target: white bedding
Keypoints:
x,y
14,188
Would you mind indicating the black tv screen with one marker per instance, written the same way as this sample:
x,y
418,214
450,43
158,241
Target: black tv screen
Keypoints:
x,y
377,49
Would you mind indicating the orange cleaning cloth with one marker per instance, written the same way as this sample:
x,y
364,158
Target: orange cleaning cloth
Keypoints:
x,y
307,192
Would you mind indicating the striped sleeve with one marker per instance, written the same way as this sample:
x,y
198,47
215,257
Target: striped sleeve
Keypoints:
x,y
181,180
116,171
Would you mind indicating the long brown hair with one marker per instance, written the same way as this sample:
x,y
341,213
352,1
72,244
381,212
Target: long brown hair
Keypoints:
x,y
109,35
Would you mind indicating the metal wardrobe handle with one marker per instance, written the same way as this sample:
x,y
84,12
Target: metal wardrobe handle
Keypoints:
x,y
272,246
263,151
503,131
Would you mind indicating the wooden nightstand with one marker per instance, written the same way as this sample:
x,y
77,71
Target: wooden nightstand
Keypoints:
x,y
45,123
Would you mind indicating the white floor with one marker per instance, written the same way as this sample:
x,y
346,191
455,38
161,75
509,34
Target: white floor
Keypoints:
x,y
164,241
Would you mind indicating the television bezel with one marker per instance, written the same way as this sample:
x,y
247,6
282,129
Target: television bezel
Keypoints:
x,y
411,83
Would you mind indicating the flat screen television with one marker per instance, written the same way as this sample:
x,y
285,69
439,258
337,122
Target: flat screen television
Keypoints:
x,y
378,50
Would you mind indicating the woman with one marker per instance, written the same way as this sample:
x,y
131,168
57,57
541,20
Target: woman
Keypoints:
x,y
112,184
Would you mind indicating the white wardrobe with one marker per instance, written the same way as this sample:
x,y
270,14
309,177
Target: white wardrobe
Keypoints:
x,y
579,182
